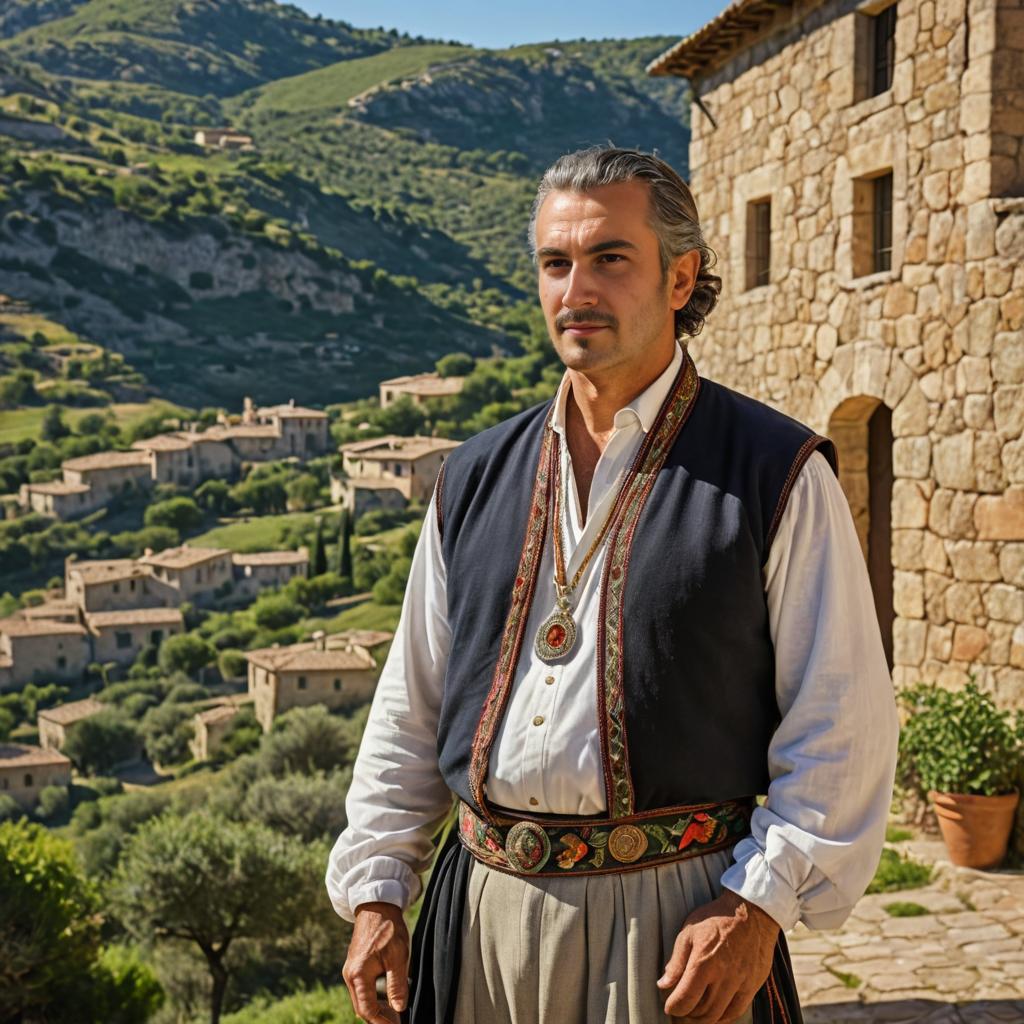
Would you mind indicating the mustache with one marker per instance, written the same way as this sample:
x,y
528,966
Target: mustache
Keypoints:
x,y
572,316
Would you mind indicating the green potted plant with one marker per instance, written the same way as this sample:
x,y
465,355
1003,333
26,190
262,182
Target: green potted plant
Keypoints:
x,y
964,754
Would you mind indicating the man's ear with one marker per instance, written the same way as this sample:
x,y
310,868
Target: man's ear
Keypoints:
x,y
682,275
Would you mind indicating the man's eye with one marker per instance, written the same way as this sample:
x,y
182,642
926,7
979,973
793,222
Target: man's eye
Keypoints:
x,y
555,264
610,257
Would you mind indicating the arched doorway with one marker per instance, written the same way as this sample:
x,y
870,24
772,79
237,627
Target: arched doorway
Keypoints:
x,y
861,428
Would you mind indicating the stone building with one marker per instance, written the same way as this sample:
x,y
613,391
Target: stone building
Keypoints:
x,y
109,474
859,169
210,726
262,569
118,636
25,771
195,572
419,387
388,472
105,585
56,498
46,651
56,723
308,673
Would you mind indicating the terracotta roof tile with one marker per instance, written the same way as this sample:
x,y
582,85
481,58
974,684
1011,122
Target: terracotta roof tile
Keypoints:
x,y
74,711
21,755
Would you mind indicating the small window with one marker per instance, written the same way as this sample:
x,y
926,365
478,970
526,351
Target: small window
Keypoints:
x,y
872,224
874,58
6,784
123,640
28,778
883,50
337,684
62,662
117,588
156,637
302,682
131,585
759,239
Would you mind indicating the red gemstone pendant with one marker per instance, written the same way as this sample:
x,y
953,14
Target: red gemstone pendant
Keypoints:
x,y
556,636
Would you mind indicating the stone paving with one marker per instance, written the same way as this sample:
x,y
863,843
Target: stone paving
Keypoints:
x,y
962,961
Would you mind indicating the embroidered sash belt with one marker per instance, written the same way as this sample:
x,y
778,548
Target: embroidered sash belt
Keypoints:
x,y
555,847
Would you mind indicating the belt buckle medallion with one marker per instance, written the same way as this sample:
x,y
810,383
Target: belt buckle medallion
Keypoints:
x,y
527,847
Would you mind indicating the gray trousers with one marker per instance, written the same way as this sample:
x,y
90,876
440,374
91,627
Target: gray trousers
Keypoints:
x,y
582,950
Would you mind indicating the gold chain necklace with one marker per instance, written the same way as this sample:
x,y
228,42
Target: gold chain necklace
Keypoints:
x,y
557,633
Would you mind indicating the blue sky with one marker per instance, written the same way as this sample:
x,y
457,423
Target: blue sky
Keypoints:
x,y
527,21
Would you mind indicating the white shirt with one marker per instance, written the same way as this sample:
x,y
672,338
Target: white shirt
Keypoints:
x,y
815,842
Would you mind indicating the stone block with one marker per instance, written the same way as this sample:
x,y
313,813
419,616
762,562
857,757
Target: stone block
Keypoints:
x,y
911,457
982,324
907,549
963,602
909,505
1013,461
933,553
1002,517
908,595
954,461
940,642
1008,357
1008,410
978,412
1010,237
1011,564
973,375
981,230
908,641
1004,603
968,643
974,560
910,417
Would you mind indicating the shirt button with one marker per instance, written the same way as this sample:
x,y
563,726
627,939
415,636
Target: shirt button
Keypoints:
x,y
534,801
549,680
539,720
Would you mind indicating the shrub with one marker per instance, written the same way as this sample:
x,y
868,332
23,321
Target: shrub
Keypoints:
x,y
53,801
958,742
186,653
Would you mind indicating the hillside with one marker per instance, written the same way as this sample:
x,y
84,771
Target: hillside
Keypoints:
x,y
378,223
199,46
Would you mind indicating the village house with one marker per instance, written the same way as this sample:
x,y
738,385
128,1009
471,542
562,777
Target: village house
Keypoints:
x,y
56,498
119,636
309,673
41,651
420,388
212,724
55,724
103,585
223,138
304,432
25,771
195,572
109,474
388,472
262,569
172,459
859,169
56,609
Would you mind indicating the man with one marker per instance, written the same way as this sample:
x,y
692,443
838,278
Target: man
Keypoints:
x,y
631,609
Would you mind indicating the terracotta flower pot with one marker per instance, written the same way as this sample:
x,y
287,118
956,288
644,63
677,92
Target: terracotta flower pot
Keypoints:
x,y
976,829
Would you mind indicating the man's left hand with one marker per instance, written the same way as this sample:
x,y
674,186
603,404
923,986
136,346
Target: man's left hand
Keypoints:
x,y
720,959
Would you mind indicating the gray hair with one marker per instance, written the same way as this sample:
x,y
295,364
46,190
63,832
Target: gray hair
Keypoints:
x,y
673,214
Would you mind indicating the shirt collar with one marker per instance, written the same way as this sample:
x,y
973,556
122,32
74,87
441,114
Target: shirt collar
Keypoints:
x,y
643,408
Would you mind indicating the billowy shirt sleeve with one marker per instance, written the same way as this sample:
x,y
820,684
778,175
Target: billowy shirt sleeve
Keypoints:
x,y
398,797
815,843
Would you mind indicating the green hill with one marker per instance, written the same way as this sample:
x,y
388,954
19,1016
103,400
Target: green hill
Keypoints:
x,y
192,46
378,223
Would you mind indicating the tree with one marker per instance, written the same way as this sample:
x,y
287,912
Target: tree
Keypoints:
x,y
50,958
455,364
53,426
309,740
101,741
317,556
276,611
181,514
166,731
214,496
403,416
303,492
209,881
185,652
343,555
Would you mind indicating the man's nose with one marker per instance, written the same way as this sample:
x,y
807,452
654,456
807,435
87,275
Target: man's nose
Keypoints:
x,y
580,290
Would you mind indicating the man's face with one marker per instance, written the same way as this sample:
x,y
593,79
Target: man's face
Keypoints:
x,y
607,304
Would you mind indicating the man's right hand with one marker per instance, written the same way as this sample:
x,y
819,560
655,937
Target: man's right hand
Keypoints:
x,y
380,945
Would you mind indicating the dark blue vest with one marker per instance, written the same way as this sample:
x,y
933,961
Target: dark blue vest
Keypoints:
x,y
686,680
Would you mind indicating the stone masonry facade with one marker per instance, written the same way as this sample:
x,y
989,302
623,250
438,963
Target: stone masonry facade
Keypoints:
x,y
935,342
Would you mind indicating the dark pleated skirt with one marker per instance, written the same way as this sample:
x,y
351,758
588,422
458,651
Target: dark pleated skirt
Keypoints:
x,y
437,951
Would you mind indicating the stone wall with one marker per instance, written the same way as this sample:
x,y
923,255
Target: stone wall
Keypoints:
x,y
939,338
